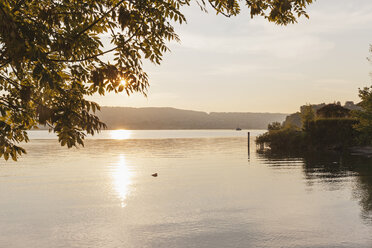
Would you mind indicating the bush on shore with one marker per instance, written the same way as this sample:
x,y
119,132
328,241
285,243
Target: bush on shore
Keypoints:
x,y
287,139
317,134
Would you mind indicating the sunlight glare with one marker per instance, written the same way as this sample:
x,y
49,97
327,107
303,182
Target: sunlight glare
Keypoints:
x,y
120,134
122,176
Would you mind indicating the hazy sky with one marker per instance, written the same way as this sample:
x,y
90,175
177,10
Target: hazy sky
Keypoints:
x,y
249,65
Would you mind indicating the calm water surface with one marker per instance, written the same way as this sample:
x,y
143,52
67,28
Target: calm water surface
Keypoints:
x,y
209,193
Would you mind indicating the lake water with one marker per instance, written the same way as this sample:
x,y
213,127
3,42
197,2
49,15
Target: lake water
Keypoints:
x,y
209,193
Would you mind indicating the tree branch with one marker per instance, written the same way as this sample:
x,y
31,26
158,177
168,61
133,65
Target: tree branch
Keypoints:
x,y
12,82
5,63
219,11
84,59
99,19
96,55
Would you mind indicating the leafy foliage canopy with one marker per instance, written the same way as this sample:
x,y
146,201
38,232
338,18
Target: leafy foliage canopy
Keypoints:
x,y
51,57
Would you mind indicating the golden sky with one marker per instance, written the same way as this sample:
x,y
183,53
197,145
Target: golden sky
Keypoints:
x,y
244,65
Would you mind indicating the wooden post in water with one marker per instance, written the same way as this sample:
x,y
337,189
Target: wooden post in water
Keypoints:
x,y
249,134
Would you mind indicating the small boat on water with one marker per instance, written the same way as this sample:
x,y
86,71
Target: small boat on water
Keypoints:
x,y
238,129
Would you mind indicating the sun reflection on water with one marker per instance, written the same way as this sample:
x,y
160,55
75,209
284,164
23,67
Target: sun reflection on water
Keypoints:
x,y
122,179
120,134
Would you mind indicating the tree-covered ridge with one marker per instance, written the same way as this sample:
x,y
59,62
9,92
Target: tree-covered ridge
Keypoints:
x,y
51,57
171,118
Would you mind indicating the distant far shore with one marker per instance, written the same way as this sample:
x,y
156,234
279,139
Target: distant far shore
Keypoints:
x,y
179,119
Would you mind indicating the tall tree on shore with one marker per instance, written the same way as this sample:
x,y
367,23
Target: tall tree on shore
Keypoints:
x,y
307,115
364,115
51,57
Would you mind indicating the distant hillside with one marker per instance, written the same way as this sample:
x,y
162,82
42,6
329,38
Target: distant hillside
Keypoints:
x,y
171,118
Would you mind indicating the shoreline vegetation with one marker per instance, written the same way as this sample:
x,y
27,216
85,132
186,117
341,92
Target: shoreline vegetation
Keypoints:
x,y
323,127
